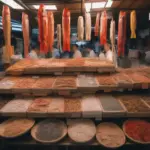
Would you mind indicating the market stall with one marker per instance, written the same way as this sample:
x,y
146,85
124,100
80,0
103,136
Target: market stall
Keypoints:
x,y
75,101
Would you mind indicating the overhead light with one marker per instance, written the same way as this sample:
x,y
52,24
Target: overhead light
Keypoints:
x,y
12,4
98,5
109,3
88,7
47,7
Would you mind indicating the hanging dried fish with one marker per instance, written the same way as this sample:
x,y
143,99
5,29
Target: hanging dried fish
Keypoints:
x,y
112,39
97,24
66,29
25,29
121,33
59,36
80,28
112,32
88,26
50,30
103,28
43,29
6,21
133,24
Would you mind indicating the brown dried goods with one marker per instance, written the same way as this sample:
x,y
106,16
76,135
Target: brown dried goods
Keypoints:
x,y
78,62
15,127
110,135
72,105
134,104
106,80
44,83
25,83
40,105
65,82
139,78
121,78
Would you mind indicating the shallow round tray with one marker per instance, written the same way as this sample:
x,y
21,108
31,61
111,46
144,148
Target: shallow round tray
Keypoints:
x,y
34,130
99,141
74,122
135,141
3,124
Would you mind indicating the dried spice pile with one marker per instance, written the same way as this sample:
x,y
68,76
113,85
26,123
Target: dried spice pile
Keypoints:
x,y
110,135
81,130
50,130
40,105
106,80
15,127
25,83
122,78
65,82
44,83
72,105
139,78
137,130
134,104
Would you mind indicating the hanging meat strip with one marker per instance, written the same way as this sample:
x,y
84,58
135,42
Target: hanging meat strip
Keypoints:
x,y
88,26
121,33
50,30
103,28
112,39
97,24
112,32
6,21
43,29
25,29
59,36
80,28
66,29
133,24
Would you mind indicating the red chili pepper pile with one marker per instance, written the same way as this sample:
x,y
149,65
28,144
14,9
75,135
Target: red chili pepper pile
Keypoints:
x,y
138,130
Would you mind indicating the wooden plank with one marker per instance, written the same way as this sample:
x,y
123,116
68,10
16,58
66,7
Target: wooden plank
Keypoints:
x,y
126,3
116,4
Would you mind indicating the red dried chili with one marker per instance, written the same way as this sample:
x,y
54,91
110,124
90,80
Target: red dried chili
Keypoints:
x,y
138,130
